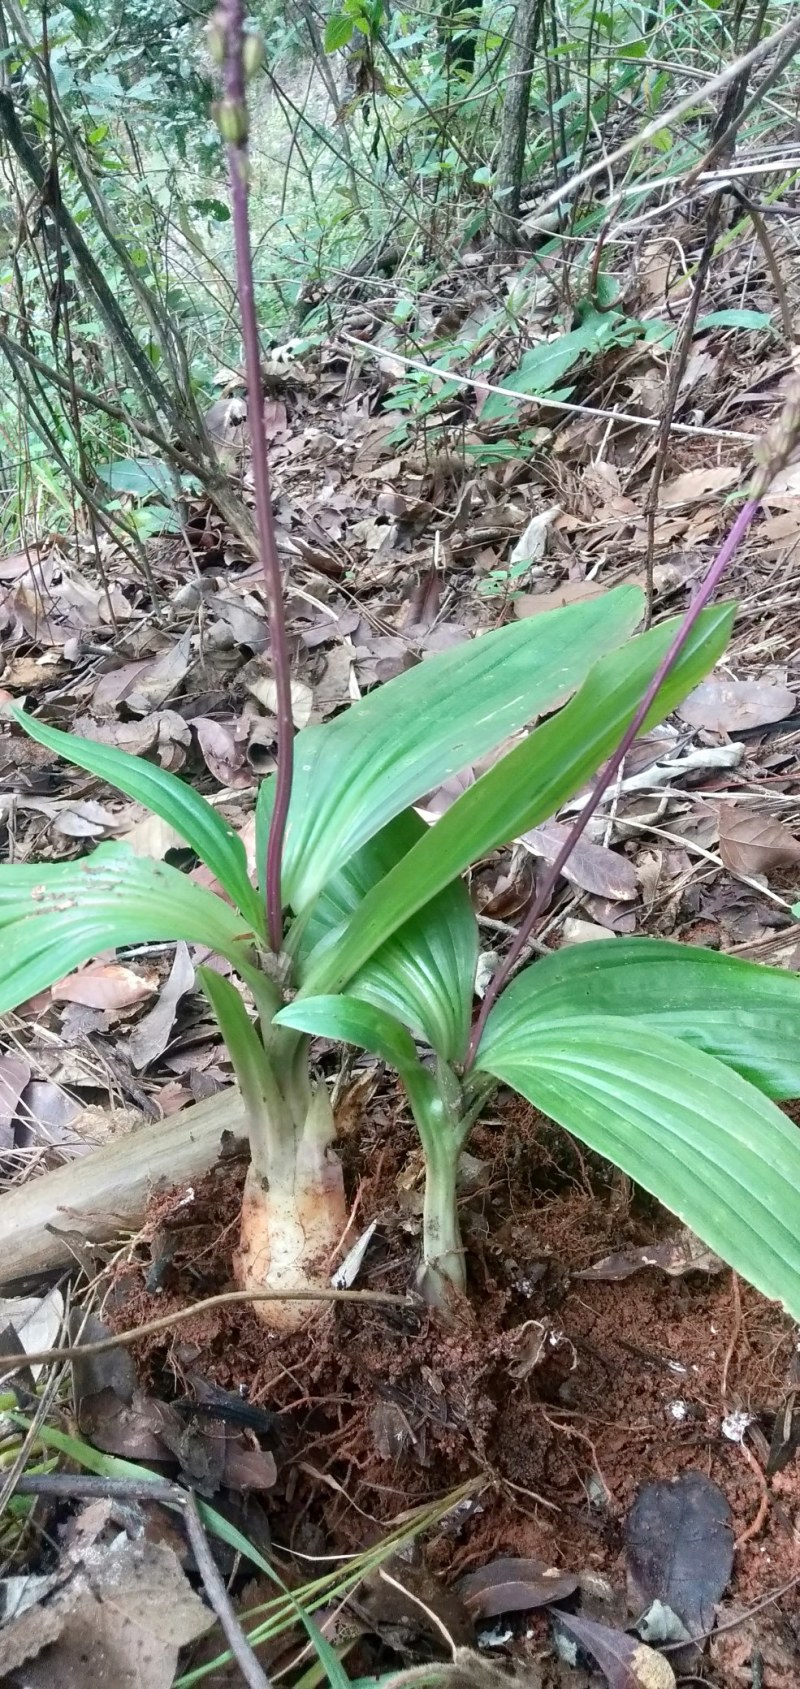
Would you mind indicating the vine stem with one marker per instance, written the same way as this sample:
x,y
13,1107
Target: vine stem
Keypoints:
x,y
233,124
611,770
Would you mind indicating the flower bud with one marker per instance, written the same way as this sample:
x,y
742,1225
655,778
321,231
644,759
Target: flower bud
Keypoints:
x,y
215,39
253,54
232,122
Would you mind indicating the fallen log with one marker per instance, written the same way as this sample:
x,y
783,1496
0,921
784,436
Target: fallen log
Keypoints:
x,y
106,1192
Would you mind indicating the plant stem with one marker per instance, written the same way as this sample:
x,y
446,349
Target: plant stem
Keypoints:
x,y
442,1249
234,128
612,768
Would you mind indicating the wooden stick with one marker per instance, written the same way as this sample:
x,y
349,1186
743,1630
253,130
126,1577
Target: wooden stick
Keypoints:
x,y
106,1192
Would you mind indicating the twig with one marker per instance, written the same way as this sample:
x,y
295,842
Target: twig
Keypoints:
x,y
727,123
771,261
233,123
677,366
370,1298
253,1673
87,1486
545,401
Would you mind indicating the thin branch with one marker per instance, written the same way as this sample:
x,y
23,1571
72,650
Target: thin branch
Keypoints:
x,y
87,1486
728,121
771,260
104,1345
544,401
252,1672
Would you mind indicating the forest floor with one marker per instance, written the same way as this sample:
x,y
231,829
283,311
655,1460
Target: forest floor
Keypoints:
x,y
601,1351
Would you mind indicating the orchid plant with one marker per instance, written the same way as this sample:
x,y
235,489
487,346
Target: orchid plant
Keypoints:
x,y
662,1057
666,1059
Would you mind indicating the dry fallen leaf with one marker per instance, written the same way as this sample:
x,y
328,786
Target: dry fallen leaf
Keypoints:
x,y
591,866
531,543
156,682
676,1256
105,985
572,592
754,843
15,1074
576,931
514,1585
262,686
696,484
679,1548
224,755
732,706
626,1662
150,1038
127,1614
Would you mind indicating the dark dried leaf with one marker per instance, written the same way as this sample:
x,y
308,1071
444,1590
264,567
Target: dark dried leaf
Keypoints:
x,y
626,1662
157,681
733,706
676,1256
514,1585
224,755
15,1074
679,1547
754,844
150,1038
591,866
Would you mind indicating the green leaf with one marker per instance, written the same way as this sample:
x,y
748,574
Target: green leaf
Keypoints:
x,y
355,773
338,32
179,805
708,1145
543,367
250,1063
734,317
746,1015
348,1021
53,918
526,787
141,476
425,975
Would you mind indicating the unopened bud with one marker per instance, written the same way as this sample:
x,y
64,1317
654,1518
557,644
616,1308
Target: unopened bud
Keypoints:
x,y
253,54
215,38
232,122
778,446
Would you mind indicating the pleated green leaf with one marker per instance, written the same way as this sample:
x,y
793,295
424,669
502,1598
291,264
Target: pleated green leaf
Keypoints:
x,y
382,755
526,787
55,917
688,1129
743,1013
348,1021
206,833
425,974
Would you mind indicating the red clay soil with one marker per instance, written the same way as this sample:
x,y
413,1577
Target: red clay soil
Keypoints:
x,y
566,1394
